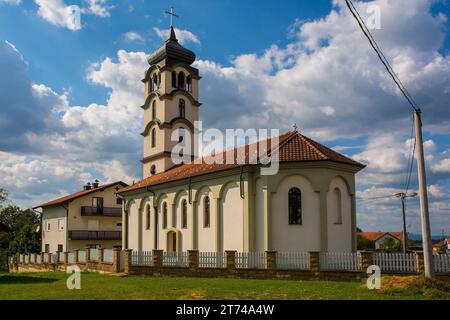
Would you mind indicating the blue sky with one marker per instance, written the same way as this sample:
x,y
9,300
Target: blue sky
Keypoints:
x,y
69,102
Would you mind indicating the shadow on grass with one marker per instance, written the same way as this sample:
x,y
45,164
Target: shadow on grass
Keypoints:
x,y
10,279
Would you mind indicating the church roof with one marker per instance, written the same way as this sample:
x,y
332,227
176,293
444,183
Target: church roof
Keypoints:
x,y
293,147
79,194
172,50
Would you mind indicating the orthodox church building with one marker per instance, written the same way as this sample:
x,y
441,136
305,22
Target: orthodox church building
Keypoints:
x,y
309,205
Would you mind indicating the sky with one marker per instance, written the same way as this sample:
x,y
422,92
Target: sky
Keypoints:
x,y
70,94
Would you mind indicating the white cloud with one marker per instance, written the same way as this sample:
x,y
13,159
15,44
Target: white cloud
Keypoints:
x,y
58,13
328,111
183,36
99,8
11,2
442,166
133,36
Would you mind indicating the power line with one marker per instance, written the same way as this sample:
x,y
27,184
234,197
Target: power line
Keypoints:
x,y
380,54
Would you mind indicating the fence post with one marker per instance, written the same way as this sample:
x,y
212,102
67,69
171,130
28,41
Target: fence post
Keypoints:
x,y
231,260
35,258
100,255
116,260
42,258
29,258
87,249
76,256
366,260
158,258
66,259
193,259
271,260
49,259
127,262
314,261
420,266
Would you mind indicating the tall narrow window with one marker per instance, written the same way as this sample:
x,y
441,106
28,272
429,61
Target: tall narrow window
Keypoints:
x,y
182,108
184,214
295,206
164,215
155,83
153,170
189,83
338,201
174,79
154,110
207,213
147,217
154,138
181,82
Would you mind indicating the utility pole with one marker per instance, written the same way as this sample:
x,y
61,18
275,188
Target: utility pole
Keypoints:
x,y
403,197
424,214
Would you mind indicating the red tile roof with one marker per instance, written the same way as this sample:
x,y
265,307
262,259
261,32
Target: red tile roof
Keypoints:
x,y
79,194
374,236
293,147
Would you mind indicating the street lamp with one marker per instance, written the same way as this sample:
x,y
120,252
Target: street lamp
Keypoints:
x,y
403,196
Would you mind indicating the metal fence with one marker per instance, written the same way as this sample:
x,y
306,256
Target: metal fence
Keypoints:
x,y
250,260
211,260
175,259
108,255
142,258
442,263
340,261
293,260
395,262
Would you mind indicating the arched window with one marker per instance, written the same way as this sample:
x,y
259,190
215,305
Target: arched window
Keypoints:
x,y
155,83
182,108
189,83
181,83
174,79
184,214
153,170
147,217
295,206
164,212
207,212
338,200
154,110
153,138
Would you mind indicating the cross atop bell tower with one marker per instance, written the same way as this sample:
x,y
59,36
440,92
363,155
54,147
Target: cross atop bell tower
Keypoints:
x,y
171,104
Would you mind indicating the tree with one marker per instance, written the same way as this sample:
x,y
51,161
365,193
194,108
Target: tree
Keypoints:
x,y
389,244
365,244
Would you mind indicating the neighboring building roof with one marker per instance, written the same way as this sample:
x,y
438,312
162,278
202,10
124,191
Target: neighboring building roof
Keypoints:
x,y
293,147
79,194
374,236
172,50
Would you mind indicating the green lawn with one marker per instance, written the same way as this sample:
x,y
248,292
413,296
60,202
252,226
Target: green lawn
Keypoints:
x,y
95,286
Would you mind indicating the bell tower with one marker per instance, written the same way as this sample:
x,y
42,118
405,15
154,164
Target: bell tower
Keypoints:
x,y
171,105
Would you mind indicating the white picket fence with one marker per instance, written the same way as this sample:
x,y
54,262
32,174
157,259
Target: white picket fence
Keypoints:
x,y
38,259
108,255
54,258
82,256
27,259
46,258
93,254
71,258
250,260
211,260
175,259
62,257
340,261
142,258
293,260
395,262
442,263
33,258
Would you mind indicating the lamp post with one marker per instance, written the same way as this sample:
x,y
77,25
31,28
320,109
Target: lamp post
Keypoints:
x,y
403,197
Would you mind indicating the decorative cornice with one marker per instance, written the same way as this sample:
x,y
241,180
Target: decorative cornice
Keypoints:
x,y
167,125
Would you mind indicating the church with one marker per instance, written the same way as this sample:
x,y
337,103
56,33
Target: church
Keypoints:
x,y
309,205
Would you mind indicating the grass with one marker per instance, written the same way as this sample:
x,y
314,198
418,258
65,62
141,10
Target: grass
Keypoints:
x,y
52,286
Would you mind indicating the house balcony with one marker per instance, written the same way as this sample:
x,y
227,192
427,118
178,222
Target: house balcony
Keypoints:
x,y
95,235
101,212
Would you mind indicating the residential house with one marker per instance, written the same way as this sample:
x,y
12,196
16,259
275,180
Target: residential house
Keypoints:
x,y
379,238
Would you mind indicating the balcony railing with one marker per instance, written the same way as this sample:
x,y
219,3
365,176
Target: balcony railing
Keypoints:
x,y
95,235
104,212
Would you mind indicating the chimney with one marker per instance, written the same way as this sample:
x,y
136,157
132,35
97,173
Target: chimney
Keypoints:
x,y
88,186
95,184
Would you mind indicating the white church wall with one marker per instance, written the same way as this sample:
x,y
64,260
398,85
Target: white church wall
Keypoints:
x,y
233,218
305,237
133,226
162,234
259,216
185,234
206,236
148,238
339,230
